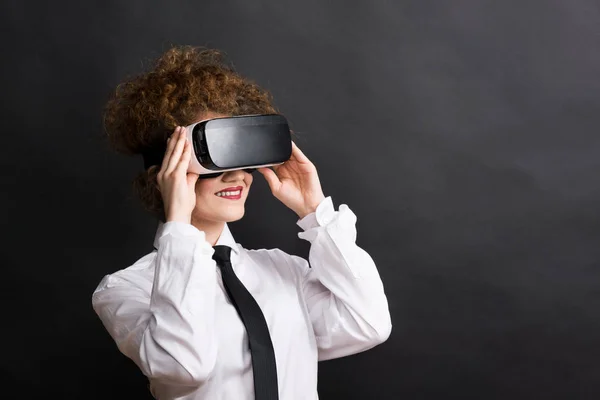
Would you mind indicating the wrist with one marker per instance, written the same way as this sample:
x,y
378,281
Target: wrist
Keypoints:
x,y
306,212
179,218
310,208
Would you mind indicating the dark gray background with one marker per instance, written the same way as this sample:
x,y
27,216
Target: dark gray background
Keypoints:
x,y
463,134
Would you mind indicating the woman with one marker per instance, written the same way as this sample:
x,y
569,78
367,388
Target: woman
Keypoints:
x,y
170,311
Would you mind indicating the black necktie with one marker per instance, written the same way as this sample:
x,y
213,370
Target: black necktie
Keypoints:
x,y
261,347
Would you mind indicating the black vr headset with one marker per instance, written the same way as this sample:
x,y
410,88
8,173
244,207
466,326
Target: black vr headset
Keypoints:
x,y
227,144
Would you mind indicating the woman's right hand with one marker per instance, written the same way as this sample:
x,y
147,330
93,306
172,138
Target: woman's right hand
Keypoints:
x,y
176,185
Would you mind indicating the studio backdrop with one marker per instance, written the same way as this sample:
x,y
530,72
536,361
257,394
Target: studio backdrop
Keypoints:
x,y
464,135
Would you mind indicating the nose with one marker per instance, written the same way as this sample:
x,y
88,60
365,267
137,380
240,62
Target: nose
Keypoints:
x,y
231,176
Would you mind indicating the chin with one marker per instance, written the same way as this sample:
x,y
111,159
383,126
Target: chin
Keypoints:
x,y
219,212
231,213
232,217
228,215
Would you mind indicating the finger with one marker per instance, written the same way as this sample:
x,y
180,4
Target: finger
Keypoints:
x,y
280,169
180,140
191,179
153,170
286,169
298,154
184,161
271,178
169,150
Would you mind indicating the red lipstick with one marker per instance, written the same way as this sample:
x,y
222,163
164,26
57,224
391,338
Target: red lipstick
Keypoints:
x,y
231,193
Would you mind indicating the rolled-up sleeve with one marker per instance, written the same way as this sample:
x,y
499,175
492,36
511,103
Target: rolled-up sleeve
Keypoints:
x,y
342,288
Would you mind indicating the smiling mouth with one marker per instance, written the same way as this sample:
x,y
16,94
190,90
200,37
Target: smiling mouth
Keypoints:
x,y
230,194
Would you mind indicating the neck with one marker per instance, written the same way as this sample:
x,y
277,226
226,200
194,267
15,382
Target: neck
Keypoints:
x,y
212,229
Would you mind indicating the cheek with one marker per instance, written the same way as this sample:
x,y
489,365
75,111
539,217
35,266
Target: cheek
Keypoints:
x,y
248,182
204,188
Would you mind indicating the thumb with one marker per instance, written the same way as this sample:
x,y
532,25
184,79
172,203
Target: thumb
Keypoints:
x,y
271,178
191,179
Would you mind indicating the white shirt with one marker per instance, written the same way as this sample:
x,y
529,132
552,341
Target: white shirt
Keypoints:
x,y
170,314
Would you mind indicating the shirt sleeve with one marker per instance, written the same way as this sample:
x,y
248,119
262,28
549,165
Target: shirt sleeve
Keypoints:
x,y
168,331
342,288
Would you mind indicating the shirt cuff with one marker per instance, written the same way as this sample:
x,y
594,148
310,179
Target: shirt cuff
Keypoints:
x,y
178,229
321,217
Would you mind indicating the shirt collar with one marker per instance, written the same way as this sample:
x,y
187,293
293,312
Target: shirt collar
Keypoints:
x,y
225,239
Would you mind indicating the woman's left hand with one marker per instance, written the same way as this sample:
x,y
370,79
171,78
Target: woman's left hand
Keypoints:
x,y
295,183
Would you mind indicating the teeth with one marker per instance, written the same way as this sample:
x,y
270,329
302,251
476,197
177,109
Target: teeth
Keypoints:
x,y
235,193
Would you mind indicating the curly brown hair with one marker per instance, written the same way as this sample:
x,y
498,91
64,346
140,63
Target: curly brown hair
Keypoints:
x,y
184,81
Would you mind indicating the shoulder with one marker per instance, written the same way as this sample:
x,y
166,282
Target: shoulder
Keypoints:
x,y
277,259
137,275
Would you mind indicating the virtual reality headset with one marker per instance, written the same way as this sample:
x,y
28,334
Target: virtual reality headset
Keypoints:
x,y
232,143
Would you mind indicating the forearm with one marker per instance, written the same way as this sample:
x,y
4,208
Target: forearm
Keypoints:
x,y
169,331
343,289
182,305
